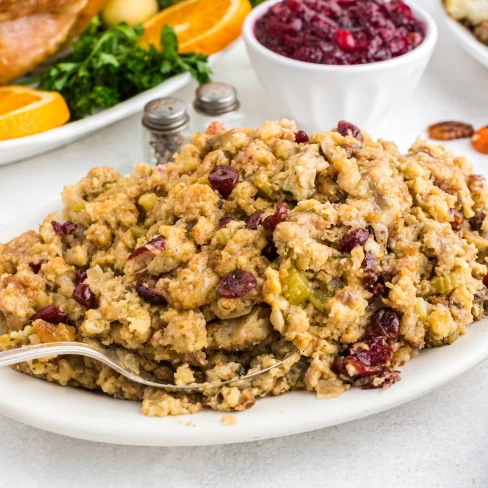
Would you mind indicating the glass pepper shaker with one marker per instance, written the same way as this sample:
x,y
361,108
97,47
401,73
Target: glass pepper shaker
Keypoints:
x,y
167,129
215,102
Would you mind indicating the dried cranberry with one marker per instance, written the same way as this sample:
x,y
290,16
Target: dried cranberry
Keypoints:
x,y
149,295
270,252
64,229
370,276
158,243
280,214
80,275
301,137
385,322
84,296
223,179
36,267
356,237
224,221
378,290
485,280
236,284
254,221
346,128
52,314
477,221
457,219
368,358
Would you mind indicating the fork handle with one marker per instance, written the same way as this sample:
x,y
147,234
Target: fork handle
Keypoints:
x,y
27,353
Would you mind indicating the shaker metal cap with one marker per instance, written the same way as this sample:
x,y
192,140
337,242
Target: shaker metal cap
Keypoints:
x,y
216,99
165,114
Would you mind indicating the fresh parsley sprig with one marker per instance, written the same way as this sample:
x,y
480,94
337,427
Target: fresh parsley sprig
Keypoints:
x,y
107,67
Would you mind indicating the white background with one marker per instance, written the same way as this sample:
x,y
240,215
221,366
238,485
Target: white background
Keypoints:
x,y
439,440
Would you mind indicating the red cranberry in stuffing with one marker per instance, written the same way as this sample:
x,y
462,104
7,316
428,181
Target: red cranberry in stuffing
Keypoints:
x,y
52,314
385,322
301,137
270,252
485,281
84,296
280,215
346,128
80,275
224,221
370,276
236,284
254,221
356,237
36,267
223,179
64,229
149,295
158,243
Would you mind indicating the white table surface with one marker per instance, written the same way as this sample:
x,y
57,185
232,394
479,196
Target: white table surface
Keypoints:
x,y
439,440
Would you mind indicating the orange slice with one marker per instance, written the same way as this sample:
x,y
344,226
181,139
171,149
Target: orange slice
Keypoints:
x,y
203,26
25,111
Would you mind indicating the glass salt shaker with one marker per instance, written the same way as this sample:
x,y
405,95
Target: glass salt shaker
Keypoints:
x,y
167,129
215,102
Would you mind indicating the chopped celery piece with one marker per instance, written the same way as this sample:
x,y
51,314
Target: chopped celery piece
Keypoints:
x,y
318,298
445,284
422,308
147,201
296,288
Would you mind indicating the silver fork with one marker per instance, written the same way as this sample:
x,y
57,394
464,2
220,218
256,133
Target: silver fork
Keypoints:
x,y
111,358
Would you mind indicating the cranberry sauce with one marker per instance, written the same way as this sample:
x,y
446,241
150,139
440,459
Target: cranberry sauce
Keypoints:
x,y
340,31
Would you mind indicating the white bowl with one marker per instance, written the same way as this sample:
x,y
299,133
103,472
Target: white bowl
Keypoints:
x,y
317,96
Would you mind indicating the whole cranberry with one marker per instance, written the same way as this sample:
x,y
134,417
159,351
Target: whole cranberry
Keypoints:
x,y
346,128
280,215
236,284
84,296
301,137
80,275
36,267
385,322
254,221
149,295
64,229
224,221
345,40
356,237
52,314
270,252
223,179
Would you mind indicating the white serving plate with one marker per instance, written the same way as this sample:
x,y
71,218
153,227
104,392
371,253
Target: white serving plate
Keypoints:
x,y
25,147
466,39
96,417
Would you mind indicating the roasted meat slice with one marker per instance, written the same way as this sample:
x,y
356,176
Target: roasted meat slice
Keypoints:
x,y
33,30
